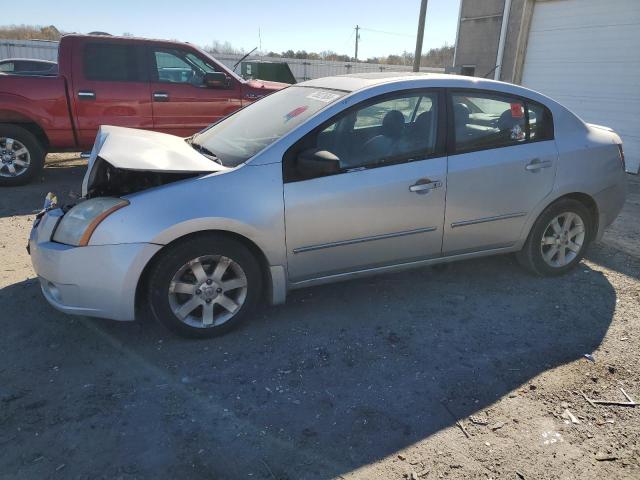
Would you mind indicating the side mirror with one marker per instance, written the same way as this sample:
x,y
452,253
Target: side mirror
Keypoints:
x,y
215,80
313,163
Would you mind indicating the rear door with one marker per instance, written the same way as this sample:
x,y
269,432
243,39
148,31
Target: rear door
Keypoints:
x,y
385,206
110,87
182,104
502,164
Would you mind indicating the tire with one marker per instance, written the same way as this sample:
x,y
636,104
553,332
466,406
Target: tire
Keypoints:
x,y
15,168
182,300
540,258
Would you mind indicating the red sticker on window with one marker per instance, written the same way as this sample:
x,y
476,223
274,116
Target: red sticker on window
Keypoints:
x,y
516,110
295,112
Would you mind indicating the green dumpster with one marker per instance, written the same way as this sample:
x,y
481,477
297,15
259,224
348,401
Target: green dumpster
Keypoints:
x,y
273,71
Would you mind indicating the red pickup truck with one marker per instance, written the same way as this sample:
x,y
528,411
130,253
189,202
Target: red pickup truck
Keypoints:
x,y
157,85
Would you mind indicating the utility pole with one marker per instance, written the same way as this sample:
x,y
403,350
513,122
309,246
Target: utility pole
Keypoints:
x,y
418,54
357,38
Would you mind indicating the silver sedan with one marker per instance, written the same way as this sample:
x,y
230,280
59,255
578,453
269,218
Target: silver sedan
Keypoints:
x,y
327,180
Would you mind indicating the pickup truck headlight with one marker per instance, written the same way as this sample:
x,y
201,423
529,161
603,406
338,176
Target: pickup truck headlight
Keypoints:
x,y
79,223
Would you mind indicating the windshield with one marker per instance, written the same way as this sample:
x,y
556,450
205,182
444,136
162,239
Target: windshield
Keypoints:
x,y
239,137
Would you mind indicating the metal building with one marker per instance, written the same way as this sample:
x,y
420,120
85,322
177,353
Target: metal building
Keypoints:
x,y
583,53
40,49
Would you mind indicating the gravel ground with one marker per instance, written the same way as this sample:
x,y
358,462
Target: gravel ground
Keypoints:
x,y
471,372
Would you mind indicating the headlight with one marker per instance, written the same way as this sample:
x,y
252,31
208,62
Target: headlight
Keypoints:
x,y
78,224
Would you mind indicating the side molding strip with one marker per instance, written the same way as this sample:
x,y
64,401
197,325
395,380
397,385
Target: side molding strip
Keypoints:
x,y
384,236
465,223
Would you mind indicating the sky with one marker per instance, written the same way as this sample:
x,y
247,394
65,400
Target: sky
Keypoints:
x,y
285,24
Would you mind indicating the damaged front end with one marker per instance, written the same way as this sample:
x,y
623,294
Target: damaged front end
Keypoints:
x,y
105,180
125,161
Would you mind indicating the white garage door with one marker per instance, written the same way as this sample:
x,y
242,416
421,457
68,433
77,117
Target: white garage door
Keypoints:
x,y
586,55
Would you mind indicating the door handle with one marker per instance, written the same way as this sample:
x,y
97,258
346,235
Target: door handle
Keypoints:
x,y
536,164
424,185
86,95
160,96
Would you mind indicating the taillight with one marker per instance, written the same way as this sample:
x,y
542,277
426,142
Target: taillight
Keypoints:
x,y
624,167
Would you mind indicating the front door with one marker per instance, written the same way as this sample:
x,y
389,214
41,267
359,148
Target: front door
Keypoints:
x,y
385,205
182,104
501,166
109,87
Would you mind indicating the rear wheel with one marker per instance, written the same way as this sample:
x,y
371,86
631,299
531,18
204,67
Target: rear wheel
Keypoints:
x,y
204,286
558,239
21,155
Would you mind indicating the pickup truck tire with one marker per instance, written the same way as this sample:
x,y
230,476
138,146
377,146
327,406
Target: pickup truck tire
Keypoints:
x,y
21,155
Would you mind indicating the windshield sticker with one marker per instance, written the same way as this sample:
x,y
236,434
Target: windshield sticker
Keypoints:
x,y
325,97
295,112
516,110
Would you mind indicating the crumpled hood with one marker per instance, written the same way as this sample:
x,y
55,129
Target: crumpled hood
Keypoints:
x,y
133,149
146,151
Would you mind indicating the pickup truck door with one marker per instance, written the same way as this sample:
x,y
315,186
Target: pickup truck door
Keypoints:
x,y
109,87
182,104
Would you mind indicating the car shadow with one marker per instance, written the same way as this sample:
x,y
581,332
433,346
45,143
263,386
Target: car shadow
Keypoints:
x,y
63,176
340,377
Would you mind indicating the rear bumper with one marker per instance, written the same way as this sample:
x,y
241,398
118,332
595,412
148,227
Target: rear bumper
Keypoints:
x,y
97,281
610,202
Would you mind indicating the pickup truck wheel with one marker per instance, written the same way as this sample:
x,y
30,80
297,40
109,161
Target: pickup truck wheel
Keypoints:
x,y
21,156
204,286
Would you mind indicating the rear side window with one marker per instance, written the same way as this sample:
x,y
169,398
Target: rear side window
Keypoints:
x,y
483,121
540,122
489,121
112,62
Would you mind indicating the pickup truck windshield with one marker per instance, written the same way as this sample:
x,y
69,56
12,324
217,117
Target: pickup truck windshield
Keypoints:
x,y
239,137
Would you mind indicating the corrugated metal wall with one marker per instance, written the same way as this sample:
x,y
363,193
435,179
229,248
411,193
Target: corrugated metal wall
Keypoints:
x,y
40,49
302,69
309,69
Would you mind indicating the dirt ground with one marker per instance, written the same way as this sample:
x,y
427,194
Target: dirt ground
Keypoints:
x,y
471,372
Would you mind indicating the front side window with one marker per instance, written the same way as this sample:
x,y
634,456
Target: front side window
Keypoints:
x,y
176,66
488,121
237,138
36,66
398,129
7,67
112,62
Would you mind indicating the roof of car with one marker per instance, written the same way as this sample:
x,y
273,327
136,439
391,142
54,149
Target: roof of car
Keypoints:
x,y
358,81
118,38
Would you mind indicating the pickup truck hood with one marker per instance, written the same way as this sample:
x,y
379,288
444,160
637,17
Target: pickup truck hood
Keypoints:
x,y
266,85
132,150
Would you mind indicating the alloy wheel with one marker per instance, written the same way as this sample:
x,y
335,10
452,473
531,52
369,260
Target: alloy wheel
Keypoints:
x,y
14,157
207,291
563,239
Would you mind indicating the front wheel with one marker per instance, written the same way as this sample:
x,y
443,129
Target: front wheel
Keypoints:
x,y
558,239
204,286
21,155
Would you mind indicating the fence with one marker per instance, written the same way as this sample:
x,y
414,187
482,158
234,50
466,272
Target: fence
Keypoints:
x,y
301,69
304,69
40,49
